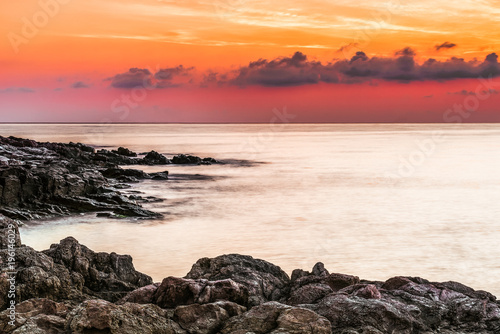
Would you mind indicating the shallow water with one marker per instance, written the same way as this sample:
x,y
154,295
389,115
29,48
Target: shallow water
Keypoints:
x,y
372,200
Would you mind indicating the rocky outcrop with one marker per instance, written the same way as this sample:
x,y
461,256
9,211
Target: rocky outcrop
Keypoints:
x,y
68,271
39,180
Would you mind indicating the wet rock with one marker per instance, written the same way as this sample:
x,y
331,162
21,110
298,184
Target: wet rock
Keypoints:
x,y
125,151
119,172
155,158
183,159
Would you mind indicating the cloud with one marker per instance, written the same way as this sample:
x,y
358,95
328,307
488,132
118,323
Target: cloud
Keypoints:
x,y
465,92
402,67
163,78
298,69
135,77
445,45
170,73
17,89
280,72
79,84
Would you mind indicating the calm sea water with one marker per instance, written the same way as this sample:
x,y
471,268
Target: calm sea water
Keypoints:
x,y
370,200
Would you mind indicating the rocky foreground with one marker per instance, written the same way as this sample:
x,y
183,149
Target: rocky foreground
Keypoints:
x,y
40,180
71,289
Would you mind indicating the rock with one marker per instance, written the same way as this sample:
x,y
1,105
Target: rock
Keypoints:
x,y
207,318
264,281
159,175
179,291
273,317
9,233
142,295
125,151
155,158
119,172
186,159
107,276
35,316
100,316
308,294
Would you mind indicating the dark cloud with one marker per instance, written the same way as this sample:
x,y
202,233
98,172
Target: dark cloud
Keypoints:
x,y
79,84
409,52
298,69
135,77
445,45
17,89
280,72
402,67
163,78
170,73
465,92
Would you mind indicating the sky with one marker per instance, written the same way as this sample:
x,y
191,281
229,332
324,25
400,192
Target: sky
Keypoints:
x,y
249,61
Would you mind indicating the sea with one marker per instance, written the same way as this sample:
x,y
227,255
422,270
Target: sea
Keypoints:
x,y
371,200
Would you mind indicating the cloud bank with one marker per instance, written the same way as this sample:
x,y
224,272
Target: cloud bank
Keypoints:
x,y
298,69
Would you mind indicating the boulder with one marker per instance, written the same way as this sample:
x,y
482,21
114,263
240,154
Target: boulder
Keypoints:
x,y
263,280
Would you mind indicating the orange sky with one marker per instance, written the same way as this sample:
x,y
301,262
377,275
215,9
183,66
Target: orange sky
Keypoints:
x,y
60,59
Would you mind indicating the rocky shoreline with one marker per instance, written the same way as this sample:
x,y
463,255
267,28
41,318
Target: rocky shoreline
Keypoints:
x,y
42,180
72,289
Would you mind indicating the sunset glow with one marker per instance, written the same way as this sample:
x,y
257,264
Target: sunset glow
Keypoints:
x,y
238,60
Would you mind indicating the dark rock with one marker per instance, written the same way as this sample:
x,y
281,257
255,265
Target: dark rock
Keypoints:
x,y
125,151
155,158
183,159
159,176
118,172
108,276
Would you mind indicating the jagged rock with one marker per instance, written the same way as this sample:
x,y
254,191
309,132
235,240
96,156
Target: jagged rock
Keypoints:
x,y
264,280
108,276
